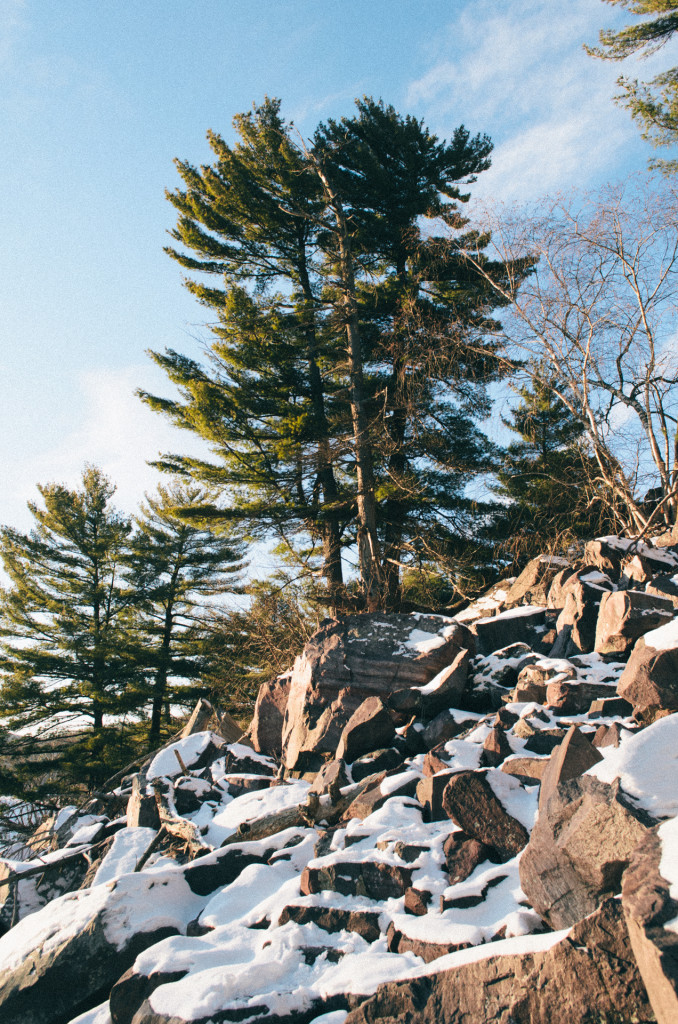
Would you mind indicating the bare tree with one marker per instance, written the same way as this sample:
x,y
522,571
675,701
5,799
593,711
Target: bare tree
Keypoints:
x,y
600,308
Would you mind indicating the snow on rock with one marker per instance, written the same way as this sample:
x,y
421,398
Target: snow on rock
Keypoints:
x,y
646,762
166,763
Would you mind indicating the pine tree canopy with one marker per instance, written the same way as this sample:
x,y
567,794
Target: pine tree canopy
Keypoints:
x,y
352,346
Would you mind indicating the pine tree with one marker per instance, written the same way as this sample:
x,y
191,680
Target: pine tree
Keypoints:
x,y
65,622
351,357
548,476
653,104
177,568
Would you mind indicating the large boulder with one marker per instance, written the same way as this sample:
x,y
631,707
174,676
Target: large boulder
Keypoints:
x,y
648,906
266,728
534,582
471,803
626,615
579,847
518,625
588,975
370,727
650,680
576,624
356,657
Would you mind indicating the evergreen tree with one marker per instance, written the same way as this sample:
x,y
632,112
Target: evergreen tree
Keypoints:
x,y
66,623
350,360
177,567
265,402
653,104
548,476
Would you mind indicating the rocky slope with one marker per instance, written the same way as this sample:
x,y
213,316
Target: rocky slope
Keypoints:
x,y
469,819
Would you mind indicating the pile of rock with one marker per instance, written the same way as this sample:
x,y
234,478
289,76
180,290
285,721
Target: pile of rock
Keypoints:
x,y
431,818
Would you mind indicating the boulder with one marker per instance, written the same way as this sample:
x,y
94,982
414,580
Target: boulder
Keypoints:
x,y
49,975
576,624
579,848
334,919
369,728
471,803
534,582
463,854
430,791
650,680
445,726
555,599
142,810
574,756
400,942
589,977
356,657
572,697
495,748
647,904
626,615
266,727
377,880
446,688
518,625
528,770
664,586
606,554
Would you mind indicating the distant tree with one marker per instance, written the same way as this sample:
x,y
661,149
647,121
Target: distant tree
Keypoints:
x,y
547,474
600,312
653,104
66,651
177,568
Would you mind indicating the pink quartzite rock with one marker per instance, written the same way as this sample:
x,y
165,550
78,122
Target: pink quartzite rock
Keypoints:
x,y
575,755
356,657
625,615
589,977
579,847
269,714
648,905
471,803
369,728
534,582
650,680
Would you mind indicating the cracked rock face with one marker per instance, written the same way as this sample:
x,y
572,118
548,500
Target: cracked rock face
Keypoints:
x,y
354,658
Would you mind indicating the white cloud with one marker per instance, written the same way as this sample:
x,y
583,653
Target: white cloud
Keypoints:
x,y
518,71
115,431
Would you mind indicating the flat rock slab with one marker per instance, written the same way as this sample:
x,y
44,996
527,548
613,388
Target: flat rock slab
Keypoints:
x,y
518,625
579,848
588,977
265,730
471,803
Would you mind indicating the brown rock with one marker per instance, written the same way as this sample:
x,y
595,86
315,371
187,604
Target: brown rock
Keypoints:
x,y
608,735
334,919
625,615
430,792
555,599
534,582
574,756
572,697
470,802
601,707
434,764
514,626
330,779
266,728
372,798
650,680
350,659
648,905
450,685
664,586
370,727
576,624
528,769
604,555
579,847
142,810
417,901
399,942
589,977
375,879
495,748
463,854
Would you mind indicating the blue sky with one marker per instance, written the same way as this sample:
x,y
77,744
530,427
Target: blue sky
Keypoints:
x,y
97,97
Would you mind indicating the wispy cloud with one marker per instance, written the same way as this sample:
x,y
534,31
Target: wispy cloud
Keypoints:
x,y
519,72
117,432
